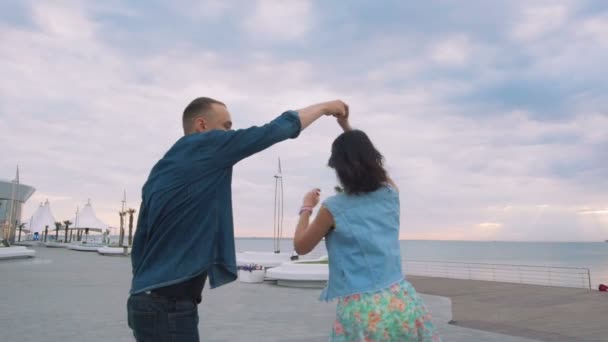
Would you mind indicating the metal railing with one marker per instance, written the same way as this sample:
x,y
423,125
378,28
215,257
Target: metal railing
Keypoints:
x,y
521,274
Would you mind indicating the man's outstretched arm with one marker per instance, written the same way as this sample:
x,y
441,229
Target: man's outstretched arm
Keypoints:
x,y
243,143
309,114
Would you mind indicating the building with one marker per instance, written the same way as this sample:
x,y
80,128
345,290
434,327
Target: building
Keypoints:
x,y
12,197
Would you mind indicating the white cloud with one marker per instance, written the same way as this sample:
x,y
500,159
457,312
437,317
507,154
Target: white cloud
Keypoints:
x,y
202,9
537,21
42,197
489,225
66,21
399,69
452,51
213,8
280,20
596,28
594,212
558,52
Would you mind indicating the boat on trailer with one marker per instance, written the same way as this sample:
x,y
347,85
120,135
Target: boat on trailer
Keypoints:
x,y
302,273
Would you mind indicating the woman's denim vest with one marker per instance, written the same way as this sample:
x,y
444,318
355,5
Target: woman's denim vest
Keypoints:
x,y
363,249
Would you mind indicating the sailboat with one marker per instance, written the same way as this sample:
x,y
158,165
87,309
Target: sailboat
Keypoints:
x,y
276,257
117,250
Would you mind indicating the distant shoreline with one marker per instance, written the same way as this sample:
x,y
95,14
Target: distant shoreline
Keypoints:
x,y
426,240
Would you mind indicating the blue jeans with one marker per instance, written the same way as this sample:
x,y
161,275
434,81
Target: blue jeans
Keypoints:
x,y
159,319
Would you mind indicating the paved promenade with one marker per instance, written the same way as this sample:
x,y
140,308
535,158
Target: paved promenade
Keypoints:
x,y
546,313
64,295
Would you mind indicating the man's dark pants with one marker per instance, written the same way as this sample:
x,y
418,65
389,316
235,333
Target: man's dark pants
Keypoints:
x,y
158,319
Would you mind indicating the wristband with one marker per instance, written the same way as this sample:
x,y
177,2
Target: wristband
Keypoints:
x,y
305,209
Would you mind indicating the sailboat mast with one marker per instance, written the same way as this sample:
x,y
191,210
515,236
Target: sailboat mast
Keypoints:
x,y
278,209
281,216
12,214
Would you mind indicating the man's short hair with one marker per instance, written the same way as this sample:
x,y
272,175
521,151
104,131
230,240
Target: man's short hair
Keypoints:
x,y
198,107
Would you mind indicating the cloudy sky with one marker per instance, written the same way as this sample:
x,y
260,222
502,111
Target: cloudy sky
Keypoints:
x,y
492,115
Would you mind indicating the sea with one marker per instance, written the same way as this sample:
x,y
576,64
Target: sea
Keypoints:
x,y
591,255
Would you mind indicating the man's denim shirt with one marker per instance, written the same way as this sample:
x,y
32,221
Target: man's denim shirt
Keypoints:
x,y
185,221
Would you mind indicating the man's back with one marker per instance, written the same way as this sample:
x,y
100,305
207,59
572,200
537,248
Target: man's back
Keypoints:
x,y
185,222
180,217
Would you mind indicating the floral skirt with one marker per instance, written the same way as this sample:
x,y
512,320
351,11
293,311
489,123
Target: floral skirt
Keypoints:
x,y
394,314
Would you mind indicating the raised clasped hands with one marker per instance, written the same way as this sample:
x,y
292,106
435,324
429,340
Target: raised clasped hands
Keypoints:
x,y
339,109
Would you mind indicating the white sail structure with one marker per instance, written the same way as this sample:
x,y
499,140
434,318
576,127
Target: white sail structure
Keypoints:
x,y
41,218
86,219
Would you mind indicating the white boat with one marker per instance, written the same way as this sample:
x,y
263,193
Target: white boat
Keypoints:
x,y
55,244
28,243
265,259
85,247
304,273
16,252
113,251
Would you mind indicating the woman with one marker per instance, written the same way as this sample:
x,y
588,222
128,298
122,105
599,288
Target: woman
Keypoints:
x,y
361,230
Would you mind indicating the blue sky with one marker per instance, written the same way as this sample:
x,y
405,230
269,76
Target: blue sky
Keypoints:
x,y
491,115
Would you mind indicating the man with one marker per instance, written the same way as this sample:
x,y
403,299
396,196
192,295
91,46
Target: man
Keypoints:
x,y
185,231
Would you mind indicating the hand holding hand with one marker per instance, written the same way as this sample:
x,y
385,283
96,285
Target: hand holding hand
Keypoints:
x,y
336,108
344,123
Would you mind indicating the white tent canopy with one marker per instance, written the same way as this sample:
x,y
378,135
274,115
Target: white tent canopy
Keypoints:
x,y
41,218
86,218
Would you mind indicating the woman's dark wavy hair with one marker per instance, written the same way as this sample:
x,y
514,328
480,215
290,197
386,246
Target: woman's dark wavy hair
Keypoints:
x,y
358,164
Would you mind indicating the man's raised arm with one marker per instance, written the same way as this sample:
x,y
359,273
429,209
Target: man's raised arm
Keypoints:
x,y
241,144
309,114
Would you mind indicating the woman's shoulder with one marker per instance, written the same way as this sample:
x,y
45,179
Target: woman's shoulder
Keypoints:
x,y
391,188
384,190
335,202
334,198
386,193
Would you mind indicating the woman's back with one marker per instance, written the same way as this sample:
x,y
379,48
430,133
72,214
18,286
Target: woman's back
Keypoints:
x,y
364,251
361,230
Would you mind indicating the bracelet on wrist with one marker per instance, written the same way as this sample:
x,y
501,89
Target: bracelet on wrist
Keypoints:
x,y
305,209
